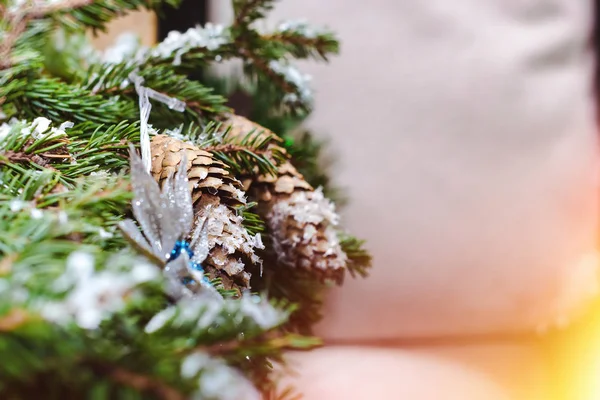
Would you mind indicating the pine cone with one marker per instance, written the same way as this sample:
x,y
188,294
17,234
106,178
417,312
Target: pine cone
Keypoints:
x,y
300,219
206,174
211,185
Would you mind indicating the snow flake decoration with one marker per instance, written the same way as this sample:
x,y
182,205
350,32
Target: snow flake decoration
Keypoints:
x,y
296,78
211,37
92,296
166,218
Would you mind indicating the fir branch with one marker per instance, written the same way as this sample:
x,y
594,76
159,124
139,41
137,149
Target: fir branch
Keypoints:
x,y
201,100
359,259
96,14
82,150
284,80
112,79
296,286
300,40
60,101
16,27
196,48
40,10
248,11
139,382
252,221
72,14
60,201
254,154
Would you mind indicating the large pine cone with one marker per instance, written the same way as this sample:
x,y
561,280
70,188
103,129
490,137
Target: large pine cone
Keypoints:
x,y
301,220
211,185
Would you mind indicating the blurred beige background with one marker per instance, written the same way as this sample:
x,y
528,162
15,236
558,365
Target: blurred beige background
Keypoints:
x,y
143,23
525,371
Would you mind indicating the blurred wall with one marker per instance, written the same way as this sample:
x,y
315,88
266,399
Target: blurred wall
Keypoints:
x,y
367,65
142,23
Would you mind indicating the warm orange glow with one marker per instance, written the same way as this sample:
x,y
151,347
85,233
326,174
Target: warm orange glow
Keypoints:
x,y
576,357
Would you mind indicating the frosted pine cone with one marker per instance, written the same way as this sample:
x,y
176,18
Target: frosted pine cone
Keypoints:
x,y
206,174
215,193
301,220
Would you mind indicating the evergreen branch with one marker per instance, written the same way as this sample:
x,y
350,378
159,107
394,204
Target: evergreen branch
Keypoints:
x,y
189,51
85,149
268,344
41,10
242,159
96,14
201,100
16,27
60,101
112,79
248,11
359,259
252,221
254,154
300,40
139,382
83,315
287,85
294,285
262,66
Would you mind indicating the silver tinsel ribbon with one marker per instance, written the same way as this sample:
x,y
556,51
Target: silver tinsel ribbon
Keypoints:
x,y
145,94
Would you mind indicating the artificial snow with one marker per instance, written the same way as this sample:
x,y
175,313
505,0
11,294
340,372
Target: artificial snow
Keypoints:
x,y
92,296
226,229
125,48
211,37
300,27
217,379
261,311
296,78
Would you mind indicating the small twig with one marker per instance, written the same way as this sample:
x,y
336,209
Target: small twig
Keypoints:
x,y
18,24
41,160
14,156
